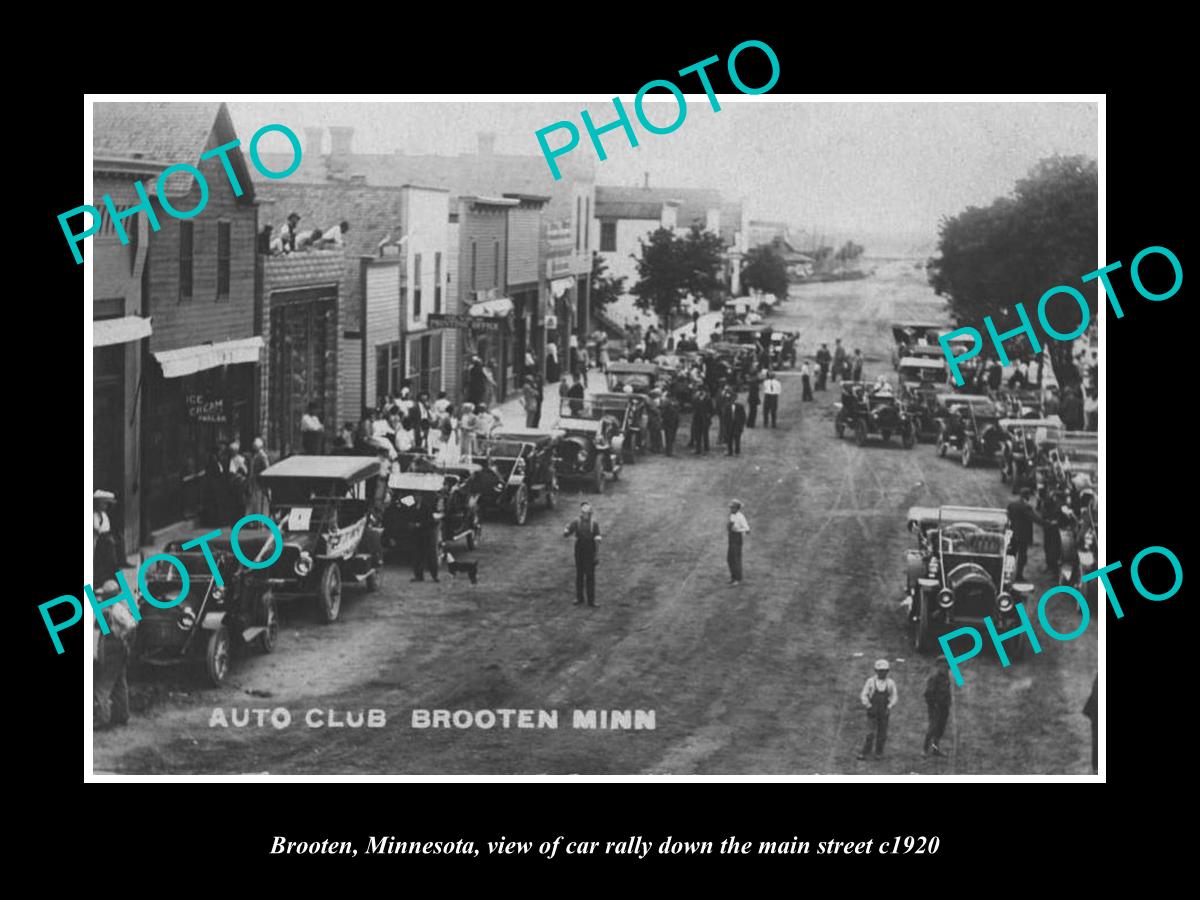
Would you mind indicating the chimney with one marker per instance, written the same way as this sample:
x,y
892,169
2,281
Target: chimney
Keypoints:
x,y
487,143
712,221
313,138
340,139
646,180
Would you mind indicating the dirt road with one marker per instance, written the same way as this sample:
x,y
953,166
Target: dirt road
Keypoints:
x,y
757,679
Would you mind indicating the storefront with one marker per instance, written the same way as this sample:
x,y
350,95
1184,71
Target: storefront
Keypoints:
x,y
197,399
303,336
490,337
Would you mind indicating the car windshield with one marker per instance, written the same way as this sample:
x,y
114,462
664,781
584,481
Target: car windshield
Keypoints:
x,y
504,449
617,382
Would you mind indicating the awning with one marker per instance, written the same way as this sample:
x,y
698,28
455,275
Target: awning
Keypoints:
x,y
188,360
107,332
498,308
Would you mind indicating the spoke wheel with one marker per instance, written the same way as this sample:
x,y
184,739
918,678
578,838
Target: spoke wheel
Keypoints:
x,y
521,505
329,600
270,636
216,659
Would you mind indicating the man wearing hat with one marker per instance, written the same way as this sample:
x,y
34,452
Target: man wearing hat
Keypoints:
x,y
287,233
108,554
654,423
737,528
937,701
878,697
110,660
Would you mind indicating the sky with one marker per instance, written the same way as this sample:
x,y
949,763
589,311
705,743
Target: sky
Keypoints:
x,y
883,174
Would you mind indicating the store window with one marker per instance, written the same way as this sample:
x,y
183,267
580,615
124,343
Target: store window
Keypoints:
x,y
416,288
437,282
608,237
387,370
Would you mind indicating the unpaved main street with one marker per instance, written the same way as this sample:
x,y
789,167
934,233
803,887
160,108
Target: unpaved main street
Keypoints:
x,y
757,679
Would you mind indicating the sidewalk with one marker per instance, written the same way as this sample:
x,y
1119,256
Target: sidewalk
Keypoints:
x,y
512,413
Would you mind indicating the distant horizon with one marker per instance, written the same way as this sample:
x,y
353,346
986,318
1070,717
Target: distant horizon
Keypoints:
x,y
882,174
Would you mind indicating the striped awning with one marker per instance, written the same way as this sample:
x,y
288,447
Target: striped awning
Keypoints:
x,y
106,332
189,360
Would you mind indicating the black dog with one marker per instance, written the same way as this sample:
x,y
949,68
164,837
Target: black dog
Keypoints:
x,y
454,567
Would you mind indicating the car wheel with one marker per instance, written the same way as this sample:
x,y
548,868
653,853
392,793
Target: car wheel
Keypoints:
x,y
860,433
966,454
521,505
329,599
269,637
551,490
839,427
887,435
374,580
475,535
1019,650
216,659
598,474
1004,473
941,446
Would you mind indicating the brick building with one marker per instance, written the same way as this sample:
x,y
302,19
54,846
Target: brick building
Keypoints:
x,y
198,286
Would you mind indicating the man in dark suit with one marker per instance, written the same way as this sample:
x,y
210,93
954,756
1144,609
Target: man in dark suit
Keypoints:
x,y
734,421
586,531
1021,516
702,413
670,424
937,702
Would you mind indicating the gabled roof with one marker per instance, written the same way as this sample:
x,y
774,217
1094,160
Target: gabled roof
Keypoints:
x,y
617,202
167,133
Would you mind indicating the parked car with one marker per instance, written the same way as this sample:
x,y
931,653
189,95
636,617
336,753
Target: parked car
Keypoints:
x,y
911,335
322,505
592,442
750,335
418,499
211,619
1027,403
1019,452
737,359
518,468
869,411
629,411
960,572
972,428
920,380
641,376
783,349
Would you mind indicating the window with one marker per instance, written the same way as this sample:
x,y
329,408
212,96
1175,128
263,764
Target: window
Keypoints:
x,y
224,244
387,370
473,255
185,260
437,282
587,222
496,264
608,237
416,286
578,219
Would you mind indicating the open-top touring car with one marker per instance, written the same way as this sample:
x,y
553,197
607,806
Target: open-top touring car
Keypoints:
x,y
591,444
972,427
866,411
517,468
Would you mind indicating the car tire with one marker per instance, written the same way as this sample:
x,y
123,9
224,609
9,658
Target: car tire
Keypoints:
x,y
329,596
860,433
216,657
551,490
598,475
966,454
923,633
1004,473
1019,650
839,426
886,434
941,446
521,505
269,636
374,581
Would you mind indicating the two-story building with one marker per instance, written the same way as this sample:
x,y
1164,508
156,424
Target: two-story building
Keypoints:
x,y
198,384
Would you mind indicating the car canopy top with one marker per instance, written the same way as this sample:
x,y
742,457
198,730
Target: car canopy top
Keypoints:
x,y
925,350
632,368
988,519
1049,422
922,362
586,426
416,481
351,469
757,328
536,436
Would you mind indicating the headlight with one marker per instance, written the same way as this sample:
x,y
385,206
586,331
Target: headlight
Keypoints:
x,y
945,598
618,442
304,563
1005,602
187,619
218,593
933,567
582,457
1089,541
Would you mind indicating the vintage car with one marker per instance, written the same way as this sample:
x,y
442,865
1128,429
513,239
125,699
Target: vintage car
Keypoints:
x,y
960,572
868,410
517,468
591,444
641,376
322,504
972,427
1019,452
783,349
448,496
909,335
920,381
1019,404
212,618
1067,484
751,335
736,361
629,411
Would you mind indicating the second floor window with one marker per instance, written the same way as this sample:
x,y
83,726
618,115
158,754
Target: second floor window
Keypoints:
x,y
224,245
416,286
437,282
186,234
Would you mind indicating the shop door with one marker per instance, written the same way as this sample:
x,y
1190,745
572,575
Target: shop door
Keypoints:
x,y
299,369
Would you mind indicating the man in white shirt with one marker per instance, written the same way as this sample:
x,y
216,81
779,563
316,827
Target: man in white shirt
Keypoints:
x,y
737,527
771,388
806,376
333,236
878,697
311,429
286,234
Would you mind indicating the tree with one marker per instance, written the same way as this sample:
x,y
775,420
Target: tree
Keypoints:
x,y
765,270
849,252
671,267
605,288
1017,248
